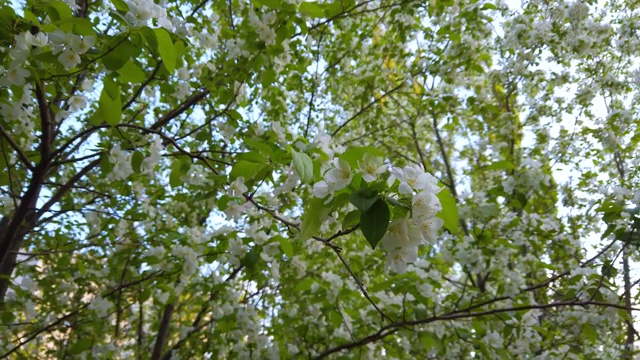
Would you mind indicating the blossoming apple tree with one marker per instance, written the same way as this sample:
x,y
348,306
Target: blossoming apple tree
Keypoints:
x,y
338,179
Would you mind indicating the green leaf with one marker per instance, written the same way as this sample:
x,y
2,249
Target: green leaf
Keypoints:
x,y
489,6
375,221
449,213
311,9
332,9
119,54
131,73
251,156
175,178
304,284
136,161
59,11
303,165
109,104
246,169
314,215
145,294
431,341
285,245
120,5
111,87
149,37
7,317
179,168
363,199
250,260
80,346
355,154
274,4
351,219
166,48
500,165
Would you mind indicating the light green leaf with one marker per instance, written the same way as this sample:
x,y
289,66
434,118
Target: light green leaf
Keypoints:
x,y
354,154
314,215
285,245
304,284
351,219
274,4
166,48
303,165
120,5
109,104
131,73
246,169
59,11
449,213
374,222
500,165
311,9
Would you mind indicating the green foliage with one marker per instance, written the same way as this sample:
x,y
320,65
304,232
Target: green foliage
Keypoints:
x,y
174,176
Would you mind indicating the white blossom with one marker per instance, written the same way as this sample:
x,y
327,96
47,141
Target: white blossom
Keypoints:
x,y
370,167
340,176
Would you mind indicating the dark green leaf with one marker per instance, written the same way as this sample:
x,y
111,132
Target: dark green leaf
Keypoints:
x,y
118,55
363,199
375,221
80,346
250,260
136,161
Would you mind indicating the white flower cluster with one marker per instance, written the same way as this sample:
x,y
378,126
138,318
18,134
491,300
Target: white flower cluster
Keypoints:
x,y
404,236
21,111
101,306
190,258
70,47
122,163
262,25
15,74
341,174
150,162
141,11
